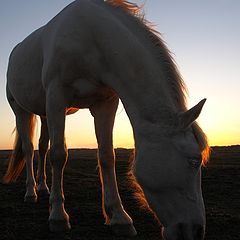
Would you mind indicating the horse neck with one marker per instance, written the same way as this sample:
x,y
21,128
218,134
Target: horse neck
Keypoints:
x,y
146,98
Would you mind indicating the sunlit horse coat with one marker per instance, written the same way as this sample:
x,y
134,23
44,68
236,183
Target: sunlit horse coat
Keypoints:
x,y
88,56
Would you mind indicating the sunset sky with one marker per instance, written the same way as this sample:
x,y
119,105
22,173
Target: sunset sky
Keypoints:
x,y
204,37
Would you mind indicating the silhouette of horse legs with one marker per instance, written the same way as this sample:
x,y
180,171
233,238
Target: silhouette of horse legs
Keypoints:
x,y
115,215
25,126
55,106
42,187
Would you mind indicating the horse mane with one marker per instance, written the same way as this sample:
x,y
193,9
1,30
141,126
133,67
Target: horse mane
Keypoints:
x,y
169,67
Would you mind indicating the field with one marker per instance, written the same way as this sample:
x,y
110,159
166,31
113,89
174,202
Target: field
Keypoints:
x,y
18,220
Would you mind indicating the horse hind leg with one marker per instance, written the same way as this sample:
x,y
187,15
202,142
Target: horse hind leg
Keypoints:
x,y
42,188
115,215
25,123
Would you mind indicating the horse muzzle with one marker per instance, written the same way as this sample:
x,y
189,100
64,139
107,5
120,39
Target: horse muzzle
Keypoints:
x,y
183,231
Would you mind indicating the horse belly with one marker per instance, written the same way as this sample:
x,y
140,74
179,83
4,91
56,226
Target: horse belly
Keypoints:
x,y
84,93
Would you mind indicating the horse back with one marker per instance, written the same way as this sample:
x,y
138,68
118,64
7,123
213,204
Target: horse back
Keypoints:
x,y
81,50
88,39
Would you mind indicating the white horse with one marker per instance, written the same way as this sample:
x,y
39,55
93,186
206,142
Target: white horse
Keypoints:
x,y
88,56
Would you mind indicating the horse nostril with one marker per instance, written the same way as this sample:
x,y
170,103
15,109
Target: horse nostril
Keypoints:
x,y
184,231
175,232
198,232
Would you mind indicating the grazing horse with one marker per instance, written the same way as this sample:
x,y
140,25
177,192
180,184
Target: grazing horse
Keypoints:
x,y
88,56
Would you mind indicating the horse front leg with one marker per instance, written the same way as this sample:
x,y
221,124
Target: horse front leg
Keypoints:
x,y
115,215
58,218
42,187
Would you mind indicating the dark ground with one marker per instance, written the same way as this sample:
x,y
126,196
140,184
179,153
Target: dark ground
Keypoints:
x,y
18,220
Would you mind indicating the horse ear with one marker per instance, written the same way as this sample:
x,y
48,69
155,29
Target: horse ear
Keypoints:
x,y
187,118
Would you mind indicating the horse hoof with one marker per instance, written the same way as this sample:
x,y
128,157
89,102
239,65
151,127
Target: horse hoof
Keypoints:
x,y
124,230
30,199
59,226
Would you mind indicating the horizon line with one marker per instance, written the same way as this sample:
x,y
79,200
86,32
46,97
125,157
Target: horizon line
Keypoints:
x,y
127,148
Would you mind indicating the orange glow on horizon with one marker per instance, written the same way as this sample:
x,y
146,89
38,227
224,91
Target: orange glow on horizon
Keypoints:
x,y
80,130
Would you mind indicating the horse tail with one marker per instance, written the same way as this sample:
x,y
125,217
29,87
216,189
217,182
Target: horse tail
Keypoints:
x,y
16,162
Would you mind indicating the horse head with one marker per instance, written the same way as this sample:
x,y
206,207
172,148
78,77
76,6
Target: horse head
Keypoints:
x,y
168,168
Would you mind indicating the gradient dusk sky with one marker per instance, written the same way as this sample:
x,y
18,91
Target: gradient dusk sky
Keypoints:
x,y
204,37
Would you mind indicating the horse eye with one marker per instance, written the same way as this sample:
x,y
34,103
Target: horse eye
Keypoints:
x,y
194,162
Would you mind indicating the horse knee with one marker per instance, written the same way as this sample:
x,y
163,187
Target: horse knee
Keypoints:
x,y
58,156
106,157
42,146
27,148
